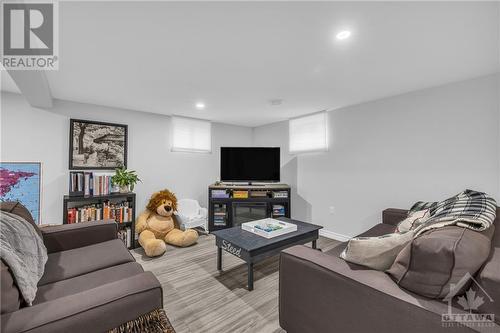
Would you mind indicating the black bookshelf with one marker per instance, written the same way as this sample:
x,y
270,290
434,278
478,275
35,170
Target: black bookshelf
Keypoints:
x,y
233,211
70,201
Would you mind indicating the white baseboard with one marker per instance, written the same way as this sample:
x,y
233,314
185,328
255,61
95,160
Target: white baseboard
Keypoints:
x,y
334,235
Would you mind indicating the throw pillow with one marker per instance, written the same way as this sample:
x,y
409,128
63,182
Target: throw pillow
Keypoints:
x,y
376,252
440,257
413,220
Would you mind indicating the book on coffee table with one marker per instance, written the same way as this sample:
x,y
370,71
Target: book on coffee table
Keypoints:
x,y
269,227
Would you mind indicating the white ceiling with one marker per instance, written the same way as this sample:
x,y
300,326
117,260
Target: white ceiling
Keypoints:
x,y
163,57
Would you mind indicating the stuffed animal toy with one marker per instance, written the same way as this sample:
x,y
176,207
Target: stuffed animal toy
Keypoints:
x,y
156,226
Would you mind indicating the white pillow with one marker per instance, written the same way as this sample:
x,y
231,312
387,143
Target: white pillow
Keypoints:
x,y
413,220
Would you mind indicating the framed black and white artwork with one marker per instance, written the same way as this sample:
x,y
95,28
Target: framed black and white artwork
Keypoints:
x,y
97,145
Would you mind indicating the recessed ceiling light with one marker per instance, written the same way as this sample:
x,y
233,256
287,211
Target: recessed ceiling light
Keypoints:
x,y
343,34
200,105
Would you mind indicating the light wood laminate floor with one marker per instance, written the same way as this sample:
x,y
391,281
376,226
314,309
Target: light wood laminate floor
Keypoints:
x,y
197,298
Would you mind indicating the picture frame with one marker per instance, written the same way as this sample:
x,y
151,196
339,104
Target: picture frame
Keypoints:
x,y
22,181
96,145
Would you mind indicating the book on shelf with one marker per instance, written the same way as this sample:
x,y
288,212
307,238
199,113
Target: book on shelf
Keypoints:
x,y
220,194
126,236
259,194
120,212
240,194
90,183
278,210
280,194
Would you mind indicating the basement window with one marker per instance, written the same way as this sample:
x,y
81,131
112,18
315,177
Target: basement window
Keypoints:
x,y
308,133
191,135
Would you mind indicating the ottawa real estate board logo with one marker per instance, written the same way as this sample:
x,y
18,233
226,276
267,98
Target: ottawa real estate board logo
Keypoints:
x,y
30,39
471,302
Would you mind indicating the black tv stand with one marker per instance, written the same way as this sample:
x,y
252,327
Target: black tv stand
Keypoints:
x,y
233,204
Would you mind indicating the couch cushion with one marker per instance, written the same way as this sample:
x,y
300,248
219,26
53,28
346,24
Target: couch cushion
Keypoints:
x,y
94,310
10,298
88,281
17,208
378,230
68,264
358,296
440,257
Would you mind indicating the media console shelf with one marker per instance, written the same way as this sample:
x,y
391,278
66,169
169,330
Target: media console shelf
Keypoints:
x,y
231,205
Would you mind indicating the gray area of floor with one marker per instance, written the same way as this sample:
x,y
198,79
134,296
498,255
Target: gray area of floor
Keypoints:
x,y
198,298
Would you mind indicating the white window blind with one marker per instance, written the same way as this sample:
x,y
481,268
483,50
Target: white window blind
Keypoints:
x,y
193,135
308,133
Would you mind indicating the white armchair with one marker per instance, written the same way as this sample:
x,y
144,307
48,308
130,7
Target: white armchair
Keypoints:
x,y
190,214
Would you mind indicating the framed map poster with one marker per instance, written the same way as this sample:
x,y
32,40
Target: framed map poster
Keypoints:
x,y
22,181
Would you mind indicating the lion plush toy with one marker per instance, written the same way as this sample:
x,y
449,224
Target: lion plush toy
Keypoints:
x,y
156,226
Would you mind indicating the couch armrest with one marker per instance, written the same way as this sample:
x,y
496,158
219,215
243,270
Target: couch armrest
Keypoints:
x,y
319,292
70,236
393,216
94,310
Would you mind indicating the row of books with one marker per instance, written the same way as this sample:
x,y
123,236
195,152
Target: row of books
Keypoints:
x,y
90,183
242,194
120,212
220,215
126,236
220,218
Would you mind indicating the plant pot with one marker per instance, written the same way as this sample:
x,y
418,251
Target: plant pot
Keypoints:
x,y
124,189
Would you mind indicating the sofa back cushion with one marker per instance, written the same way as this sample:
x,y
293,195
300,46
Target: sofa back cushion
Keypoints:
x,y
10,298
17,208
440,257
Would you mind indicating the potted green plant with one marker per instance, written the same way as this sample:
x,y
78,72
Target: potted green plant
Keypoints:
x,y
125,180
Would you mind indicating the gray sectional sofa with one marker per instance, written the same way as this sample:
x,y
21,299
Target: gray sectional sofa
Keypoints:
x,y
319,292
91,284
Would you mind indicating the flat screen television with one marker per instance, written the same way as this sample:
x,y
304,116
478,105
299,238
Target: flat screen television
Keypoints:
x,y
250,164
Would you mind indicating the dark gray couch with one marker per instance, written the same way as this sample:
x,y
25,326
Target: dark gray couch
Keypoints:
x,y
319,292
91,284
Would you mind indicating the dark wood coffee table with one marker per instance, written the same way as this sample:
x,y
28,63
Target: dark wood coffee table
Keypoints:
x,y
253,248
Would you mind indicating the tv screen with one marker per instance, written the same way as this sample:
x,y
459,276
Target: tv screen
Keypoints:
x,y
239,164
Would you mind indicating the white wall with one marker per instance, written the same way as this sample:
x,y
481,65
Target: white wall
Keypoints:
x,y
424,145
34,134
